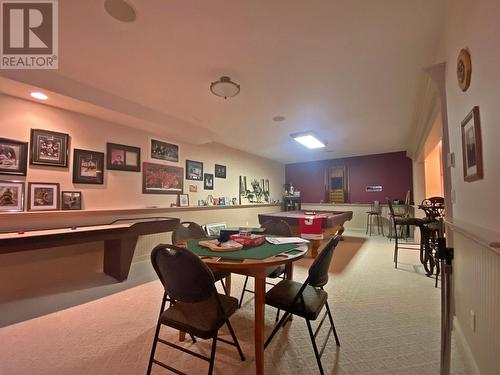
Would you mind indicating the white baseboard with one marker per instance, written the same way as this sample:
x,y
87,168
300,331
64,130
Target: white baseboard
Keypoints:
x,y
464,348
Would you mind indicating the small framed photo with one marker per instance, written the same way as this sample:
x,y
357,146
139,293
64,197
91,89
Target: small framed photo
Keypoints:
x,y
162,150
193,188
183,200
194,170
123,158
49,148
220,171
13,157
162,179
71,200
43,196
472,152
208,181
88,167
11,196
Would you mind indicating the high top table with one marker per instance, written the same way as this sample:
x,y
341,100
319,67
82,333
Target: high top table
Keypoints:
x,y
120,238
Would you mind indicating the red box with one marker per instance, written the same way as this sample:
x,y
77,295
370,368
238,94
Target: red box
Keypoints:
x,y
252,240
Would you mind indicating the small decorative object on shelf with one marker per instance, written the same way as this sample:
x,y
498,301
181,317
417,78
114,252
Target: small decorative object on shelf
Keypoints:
x,y
183,200
13,157
71,200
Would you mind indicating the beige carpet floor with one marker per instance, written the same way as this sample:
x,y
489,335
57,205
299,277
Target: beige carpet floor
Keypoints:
x,y
388,322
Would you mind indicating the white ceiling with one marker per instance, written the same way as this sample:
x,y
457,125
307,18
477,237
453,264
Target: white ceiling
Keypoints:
x,y
348,69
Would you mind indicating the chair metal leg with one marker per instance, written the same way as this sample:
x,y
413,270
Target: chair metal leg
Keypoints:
x,y
157,333
318,359
395,246
367,222
277,316
212,355
224,287
337,341
235,340
243,291
276,328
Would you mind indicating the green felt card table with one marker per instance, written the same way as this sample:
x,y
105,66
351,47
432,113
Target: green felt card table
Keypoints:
x,y
255,262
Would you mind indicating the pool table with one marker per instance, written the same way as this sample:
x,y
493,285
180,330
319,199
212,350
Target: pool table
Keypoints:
x,y
333,223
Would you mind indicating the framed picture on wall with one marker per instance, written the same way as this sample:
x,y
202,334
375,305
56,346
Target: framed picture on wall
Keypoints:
x,y
472,152
183,200
123,158
162,150
220,171
13,157
71,200
208,181
49,148
162,179
11,196
88,167
194,170
43,196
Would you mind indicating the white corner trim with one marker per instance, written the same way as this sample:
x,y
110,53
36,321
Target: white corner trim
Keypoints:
x,y
464,348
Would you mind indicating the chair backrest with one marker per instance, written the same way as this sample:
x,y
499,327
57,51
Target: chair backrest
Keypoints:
x,y
277,228
318,272
376,207
187,230
391,209
183,274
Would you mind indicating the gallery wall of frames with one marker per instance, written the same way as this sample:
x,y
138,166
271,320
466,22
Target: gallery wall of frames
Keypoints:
x,y
52,159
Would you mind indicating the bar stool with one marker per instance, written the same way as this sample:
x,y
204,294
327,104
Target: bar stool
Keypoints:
x,y
375,212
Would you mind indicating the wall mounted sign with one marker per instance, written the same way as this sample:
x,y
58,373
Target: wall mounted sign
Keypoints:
x,y
373,188
464,69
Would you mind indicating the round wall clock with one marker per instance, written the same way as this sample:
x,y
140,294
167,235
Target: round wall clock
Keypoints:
x,y
464,69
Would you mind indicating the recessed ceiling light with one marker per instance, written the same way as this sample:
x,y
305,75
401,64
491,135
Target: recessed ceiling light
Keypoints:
x,y
279,118
120,10
39,95
308,139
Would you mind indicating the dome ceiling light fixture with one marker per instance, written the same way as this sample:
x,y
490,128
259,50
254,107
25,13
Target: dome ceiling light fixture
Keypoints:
x,y
225,88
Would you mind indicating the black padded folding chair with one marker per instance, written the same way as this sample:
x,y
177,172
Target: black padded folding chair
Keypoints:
x,y
187,230
278,228
195,306
307,300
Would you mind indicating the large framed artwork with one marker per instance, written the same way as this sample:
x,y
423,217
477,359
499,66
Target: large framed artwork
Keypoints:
x,y
162,179
472,152
194,170
13,157
162,150
254,191
11,196
123,158
43,196
88,167
49,148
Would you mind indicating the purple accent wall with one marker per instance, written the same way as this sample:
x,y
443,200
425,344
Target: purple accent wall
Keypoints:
x,y
391,170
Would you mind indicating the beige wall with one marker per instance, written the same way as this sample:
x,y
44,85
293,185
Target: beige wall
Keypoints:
x,y
433,173
475,25
124,189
